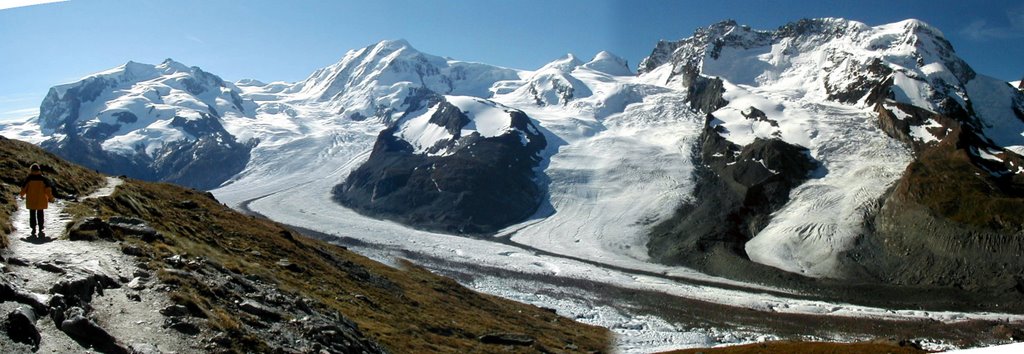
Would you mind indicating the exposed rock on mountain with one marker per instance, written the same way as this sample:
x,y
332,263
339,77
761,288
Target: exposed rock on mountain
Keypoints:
x,y
159,123
737,190
453,163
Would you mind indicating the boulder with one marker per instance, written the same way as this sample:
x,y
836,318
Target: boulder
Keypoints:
x,y
264,312
88,334
184,325
21,326
506,339
90,229
79,288
174,311
132,227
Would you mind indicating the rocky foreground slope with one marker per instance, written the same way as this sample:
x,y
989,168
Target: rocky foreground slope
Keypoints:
x,y
236,283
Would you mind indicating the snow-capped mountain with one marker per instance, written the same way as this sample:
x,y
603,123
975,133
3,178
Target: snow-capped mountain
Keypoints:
x,y
158,122
453,163
826,147
375,81
845,95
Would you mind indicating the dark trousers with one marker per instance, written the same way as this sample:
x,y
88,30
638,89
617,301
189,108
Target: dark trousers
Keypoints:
x,y
35,216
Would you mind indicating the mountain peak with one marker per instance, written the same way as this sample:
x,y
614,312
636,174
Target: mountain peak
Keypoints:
x,y
388,46
393,43
566,63
170,66
609,63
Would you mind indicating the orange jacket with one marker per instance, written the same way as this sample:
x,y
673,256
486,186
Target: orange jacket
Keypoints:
x,y
38,191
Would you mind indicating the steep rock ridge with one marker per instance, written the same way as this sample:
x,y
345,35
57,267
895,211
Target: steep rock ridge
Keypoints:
x,y
375,81
452,163
149,122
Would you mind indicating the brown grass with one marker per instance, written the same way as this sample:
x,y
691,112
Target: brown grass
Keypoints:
x,y
15,159
407,310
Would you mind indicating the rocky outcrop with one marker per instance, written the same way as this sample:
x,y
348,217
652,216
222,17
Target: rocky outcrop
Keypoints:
x,y
467,184
737,190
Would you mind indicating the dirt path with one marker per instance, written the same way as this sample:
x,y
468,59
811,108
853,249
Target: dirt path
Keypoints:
x,y
123,304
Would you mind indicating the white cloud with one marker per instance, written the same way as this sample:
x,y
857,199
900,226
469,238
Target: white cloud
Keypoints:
x,y
10,4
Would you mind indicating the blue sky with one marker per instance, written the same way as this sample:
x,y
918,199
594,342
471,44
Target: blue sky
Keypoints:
x,y
49,44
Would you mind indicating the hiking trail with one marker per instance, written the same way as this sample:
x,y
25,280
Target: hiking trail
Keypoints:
x,y
114,292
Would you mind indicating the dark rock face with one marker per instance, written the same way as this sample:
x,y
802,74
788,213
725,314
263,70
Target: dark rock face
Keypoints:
x,y
479,186
737,190
212,158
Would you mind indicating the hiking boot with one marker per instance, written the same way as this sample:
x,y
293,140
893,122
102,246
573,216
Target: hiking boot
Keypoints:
x,y
33,234
42,234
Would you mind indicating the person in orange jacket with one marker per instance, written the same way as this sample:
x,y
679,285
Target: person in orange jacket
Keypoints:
x,y
38,192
